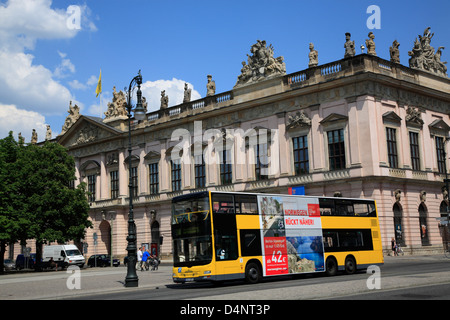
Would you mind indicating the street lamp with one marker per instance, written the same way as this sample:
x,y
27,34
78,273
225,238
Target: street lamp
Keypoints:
x,y
131,279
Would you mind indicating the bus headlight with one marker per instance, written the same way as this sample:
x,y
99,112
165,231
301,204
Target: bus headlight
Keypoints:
x,y
207,272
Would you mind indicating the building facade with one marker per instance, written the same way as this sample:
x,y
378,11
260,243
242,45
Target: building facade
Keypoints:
x,y
360,127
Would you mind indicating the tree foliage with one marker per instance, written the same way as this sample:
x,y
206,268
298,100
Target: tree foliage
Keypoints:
x,y
37,200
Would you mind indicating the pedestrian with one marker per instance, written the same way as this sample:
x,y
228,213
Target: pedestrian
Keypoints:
x,y
394,246
139,258
145,257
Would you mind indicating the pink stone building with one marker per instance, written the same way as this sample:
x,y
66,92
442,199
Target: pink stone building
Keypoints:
x,y
361,127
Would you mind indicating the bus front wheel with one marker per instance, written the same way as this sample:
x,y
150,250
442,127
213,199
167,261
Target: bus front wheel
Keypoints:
x,y
252,273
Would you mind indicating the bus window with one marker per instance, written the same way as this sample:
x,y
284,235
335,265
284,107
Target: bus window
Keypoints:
x,y
246,204
250,242
327,207
226,247
347,240
222,203
330,240
372,211
361,209
344,207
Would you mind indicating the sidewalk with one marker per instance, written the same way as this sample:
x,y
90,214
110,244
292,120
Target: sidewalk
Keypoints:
x,y
53,285
60,284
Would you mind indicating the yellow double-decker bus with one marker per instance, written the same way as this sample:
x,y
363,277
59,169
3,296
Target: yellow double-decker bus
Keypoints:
x,y
221,236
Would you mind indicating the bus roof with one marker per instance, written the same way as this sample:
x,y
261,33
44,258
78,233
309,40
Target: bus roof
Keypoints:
x,y
206,193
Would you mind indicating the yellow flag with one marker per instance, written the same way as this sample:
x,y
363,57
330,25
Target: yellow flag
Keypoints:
x,y
99,84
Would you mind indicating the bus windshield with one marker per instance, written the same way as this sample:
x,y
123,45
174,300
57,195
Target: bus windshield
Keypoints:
x,y
191,230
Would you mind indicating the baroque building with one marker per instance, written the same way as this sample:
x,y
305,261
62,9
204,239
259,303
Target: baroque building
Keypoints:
x,y
360,127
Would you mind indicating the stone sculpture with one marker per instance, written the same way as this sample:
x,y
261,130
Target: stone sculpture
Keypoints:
x,y
34,137
313,56
349,46
74,114
299,119
260,65
48,133
370,44
164,100
395,52
423,56
187,94
118,106
210,86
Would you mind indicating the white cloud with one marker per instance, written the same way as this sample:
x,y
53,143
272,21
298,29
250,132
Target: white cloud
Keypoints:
x,y
29,91
30,86
25,21
174,88
64,67
23,121
92,80
77,85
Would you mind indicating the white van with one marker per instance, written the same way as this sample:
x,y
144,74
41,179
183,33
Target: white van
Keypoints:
x,y
67,255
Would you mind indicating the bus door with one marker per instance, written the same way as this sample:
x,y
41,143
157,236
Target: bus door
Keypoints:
x,y
225,234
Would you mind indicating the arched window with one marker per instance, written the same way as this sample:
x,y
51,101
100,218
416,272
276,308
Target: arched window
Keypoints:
x,y
423,213
398,224
104,245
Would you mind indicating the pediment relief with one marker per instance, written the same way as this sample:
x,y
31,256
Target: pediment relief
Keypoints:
x,y
90,165
152,155
85,131
134,158
439,127
391,116
414,117
334,118
298,120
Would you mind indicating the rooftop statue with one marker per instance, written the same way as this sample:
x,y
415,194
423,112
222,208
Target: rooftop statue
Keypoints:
x,y
260,65
187,94
394,52
210,86
370,44
423,56
313,56
349,46
34,137
164,100
118,106
74,114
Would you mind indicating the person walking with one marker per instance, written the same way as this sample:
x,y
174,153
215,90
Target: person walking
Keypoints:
x,y
145,257
394,246
139,258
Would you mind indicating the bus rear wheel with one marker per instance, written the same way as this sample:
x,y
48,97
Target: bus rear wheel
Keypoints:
x,y
331,266
252,273
350,265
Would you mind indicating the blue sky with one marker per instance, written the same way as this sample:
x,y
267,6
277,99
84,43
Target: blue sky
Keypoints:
x,y
44,64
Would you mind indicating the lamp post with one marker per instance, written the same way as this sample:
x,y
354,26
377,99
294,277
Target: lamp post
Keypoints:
x,y
131,279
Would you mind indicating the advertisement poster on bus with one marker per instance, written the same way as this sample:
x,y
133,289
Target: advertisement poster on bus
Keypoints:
x,y
291,231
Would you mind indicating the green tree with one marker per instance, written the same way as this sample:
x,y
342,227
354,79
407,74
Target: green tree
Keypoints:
x,y
10,222
52,210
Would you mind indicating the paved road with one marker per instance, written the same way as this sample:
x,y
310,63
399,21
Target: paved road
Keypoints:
x,y
425,277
